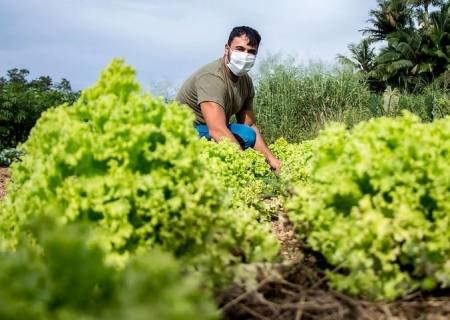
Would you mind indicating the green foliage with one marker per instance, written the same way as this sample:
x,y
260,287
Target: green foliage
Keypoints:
x,y
61,277
377,205
295,101
295,160
362,57
416,42
390,101
374,106
23,101
243,174
441,108
387,105
428,106
7,156
247,178
130,165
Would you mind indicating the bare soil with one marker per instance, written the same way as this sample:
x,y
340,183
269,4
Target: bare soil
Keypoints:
x,y
297,289
4,176
286,237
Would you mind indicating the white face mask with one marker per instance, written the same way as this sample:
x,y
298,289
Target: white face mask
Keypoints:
x,y
241,62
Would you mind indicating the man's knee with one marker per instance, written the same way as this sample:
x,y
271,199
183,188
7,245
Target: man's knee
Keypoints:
x,y
251,140
240,140
246,136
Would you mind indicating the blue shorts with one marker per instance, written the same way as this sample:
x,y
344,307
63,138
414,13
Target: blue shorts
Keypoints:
x,y
244,134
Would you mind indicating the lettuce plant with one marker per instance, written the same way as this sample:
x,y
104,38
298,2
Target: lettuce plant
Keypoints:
x,y
63,277
376,205
129,164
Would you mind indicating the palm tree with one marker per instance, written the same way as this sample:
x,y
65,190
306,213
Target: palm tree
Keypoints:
x,y
403,61
362,56
425,4
391,15
437,45
441,18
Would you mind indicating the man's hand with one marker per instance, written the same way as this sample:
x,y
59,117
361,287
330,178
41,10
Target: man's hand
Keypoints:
x,y
248,117
275,164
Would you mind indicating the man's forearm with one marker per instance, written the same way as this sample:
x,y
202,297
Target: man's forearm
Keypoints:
x,y
261,146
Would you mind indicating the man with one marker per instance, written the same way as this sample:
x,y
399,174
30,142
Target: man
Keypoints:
x,y
221,89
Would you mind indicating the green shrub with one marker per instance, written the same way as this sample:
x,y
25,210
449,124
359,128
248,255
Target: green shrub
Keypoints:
x,y
22,103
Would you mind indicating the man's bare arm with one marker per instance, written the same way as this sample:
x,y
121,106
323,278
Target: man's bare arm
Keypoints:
x,y
247,117
216,121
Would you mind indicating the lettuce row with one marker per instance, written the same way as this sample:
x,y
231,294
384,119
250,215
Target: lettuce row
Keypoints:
x,y
242,173
295,160
129,164
376,205
65,278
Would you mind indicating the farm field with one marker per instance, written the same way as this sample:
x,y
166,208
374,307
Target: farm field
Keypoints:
x,y
354,227
297,289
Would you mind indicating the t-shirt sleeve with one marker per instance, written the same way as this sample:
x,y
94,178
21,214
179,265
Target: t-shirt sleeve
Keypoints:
x,y
211,88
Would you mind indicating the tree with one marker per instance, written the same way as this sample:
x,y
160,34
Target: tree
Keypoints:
x,y
42,84
437,45
166,89
417,41
22,103
425,4
64,85
16,76
391,15
403,59
362,56
362,62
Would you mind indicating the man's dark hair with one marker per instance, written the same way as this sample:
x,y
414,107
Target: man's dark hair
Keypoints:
x,y
252,35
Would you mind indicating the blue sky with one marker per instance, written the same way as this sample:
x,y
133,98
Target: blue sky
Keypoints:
x,y
166,40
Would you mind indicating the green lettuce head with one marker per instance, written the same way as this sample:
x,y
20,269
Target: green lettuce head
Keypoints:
x,y
123,160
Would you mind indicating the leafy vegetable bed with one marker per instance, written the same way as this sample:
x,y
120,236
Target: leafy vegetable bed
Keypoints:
x,y
117,189
301,292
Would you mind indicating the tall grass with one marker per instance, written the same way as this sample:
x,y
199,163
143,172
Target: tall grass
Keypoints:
x,y
295,101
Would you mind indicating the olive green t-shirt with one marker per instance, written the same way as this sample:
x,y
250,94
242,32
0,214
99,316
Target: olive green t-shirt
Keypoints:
x,y
211,83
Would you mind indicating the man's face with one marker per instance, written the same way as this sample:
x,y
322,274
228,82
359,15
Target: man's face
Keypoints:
x,y
240,44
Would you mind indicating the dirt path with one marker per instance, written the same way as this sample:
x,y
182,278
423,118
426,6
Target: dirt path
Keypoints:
x,y
4,176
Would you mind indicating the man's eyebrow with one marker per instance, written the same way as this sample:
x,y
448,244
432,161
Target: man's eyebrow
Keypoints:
x,y
243,48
